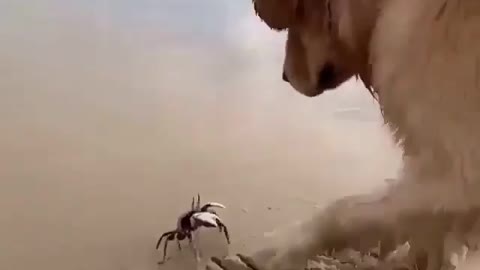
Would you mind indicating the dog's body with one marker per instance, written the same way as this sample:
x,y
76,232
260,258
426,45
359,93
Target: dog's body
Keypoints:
x,y
422,57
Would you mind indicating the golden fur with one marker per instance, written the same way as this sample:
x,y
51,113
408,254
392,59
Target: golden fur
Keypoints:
x,y
422,57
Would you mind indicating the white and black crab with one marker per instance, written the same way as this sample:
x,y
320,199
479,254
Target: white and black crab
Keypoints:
x,y
189,222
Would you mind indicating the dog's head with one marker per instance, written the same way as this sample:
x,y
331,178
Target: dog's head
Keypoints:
x,y
327,41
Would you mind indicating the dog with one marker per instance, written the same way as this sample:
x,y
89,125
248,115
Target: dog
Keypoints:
x,y
421,59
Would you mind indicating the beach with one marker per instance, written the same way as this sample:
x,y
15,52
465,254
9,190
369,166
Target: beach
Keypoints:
x,y
114,116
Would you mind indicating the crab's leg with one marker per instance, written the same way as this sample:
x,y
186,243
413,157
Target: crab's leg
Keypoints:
x,y
189,236
165,248
221,227
179,245
164,235
190,241
195,246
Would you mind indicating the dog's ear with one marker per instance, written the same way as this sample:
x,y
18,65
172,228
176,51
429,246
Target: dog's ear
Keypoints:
x,y
277,14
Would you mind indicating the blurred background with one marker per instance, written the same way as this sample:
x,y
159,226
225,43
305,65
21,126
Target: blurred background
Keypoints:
x,y
114,114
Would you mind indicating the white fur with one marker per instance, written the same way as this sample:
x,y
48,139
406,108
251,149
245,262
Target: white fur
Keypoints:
x,y
428,73
425,56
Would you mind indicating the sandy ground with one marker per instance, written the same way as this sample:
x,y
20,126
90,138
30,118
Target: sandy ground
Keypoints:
x,y
113,117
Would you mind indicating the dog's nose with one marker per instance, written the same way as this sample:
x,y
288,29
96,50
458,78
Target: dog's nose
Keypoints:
x,y
326,77
284,77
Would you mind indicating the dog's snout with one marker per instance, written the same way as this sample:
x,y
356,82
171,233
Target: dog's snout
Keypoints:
x,y
326,77
284,77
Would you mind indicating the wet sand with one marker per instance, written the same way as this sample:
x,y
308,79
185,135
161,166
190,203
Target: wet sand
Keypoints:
x,y
111,124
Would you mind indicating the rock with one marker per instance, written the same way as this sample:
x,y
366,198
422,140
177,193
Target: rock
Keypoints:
x,y
228,263
347,259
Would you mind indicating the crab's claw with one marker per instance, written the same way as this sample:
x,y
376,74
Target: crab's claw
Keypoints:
x,y
209,205
205,219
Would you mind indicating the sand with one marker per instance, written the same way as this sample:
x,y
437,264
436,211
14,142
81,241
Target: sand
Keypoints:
x,y
111,124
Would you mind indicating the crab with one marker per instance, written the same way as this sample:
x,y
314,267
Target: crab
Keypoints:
x,y
189,222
